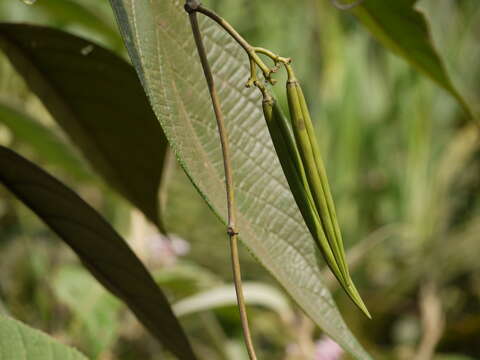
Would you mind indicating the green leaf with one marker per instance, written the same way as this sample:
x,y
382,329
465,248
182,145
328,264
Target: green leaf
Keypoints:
x,y
220,296
404,30
160,43
97,99
95,310
42,140
19,341
101,249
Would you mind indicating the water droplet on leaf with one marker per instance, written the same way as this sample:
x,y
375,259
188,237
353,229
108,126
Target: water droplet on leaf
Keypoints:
x,y
29,2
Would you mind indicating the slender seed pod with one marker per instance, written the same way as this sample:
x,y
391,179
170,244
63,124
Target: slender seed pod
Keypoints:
x,y
308,159
322,172
292,166
317,176
326,189
287,153
318,183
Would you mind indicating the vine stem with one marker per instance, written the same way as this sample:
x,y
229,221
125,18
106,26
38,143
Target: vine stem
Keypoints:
x,y
231,212
251,51
241,41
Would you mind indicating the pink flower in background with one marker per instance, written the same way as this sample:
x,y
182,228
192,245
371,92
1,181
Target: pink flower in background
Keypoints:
x,y
162,250
327,349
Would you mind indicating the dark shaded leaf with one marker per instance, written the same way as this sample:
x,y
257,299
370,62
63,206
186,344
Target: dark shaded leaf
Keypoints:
x,y
69,11
101,249
96,98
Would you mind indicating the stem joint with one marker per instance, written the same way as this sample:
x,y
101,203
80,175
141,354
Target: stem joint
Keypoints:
x,y
231,231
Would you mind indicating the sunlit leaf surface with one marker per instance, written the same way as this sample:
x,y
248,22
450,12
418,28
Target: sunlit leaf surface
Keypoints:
x,y
160,43
18,341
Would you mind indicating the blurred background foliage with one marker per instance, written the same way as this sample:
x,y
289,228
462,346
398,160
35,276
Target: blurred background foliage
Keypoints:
x,y
403,164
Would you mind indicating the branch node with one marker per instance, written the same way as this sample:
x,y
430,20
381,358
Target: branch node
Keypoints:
x,y
191,6
231,231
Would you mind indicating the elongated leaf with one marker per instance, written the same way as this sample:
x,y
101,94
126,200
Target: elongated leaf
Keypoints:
x,y
404,30
19,341
97,99
160,43
100,248
255,294
42,140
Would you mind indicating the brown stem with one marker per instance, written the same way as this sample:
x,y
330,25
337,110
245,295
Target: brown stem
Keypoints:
x,y
233,33
232,233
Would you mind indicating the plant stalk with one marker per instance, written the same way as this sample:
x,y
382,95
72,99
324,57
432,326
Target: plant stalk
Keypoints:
x,y
231,213
195,6
234,34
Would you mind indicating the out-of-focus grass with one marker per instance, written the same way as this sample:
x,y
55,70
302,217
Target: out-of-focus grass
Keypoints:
x,y
397,159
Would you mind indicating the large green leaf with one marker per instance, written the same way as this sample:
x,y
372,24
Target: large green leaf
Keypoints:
x,y
404,30
42,140
160,43
101,249
96,97
19,341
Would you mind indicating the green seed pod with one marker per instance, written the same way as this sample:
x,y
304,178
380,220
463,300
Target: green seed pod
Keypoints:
x,y
321,171
317,181
292,166
306,152
286,149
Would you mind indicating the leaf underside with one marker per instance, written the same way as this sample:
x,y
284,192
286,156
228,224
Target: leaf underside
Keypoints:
x,y
160,44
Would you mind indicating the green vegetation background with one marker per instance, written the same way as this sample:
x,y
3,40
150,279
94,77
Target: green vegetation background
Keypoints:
x,y
403,168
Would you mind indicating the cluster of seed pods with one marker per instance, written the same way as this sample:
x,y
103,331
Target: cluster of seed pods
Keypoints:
x,y
299,154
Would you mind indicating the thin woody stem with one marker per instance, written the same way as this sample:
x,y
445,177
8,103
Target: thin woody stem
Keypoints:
x,y
276,58
238,38
253,73
290,73
231,213
249,49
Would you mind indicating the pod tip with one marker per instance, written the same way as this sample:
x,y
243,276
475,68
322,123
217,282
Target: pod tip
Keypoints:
x,y
355,296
